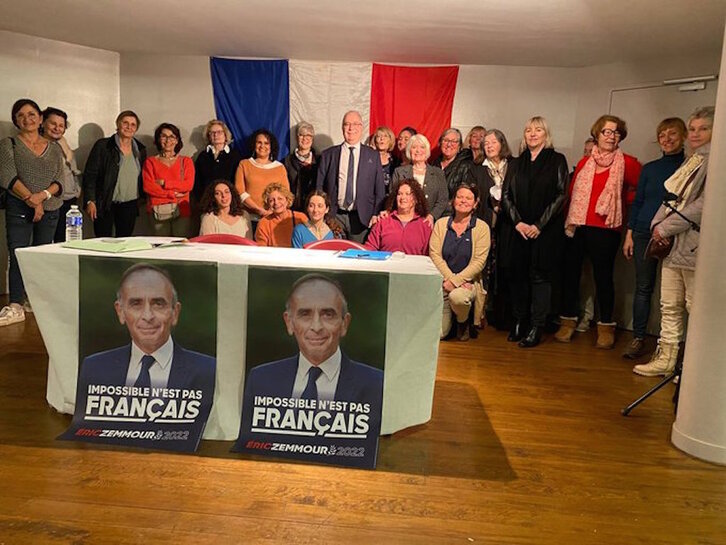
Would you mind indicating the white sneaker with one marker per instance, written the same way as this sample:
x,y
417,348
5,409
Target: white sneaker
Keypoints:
x,y
27,307
11,314
583,325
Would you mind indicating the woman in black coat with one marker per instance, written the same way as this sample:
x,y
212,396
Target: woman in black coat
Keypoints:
x,y
532,230
302,166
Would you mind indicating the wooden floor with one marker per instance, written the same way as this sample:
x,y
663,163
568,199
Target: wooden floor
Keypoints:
x,y
525,447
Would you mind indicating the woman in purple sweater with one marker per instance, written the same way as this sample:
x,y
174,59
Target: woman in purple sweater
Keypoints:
x,y
404,228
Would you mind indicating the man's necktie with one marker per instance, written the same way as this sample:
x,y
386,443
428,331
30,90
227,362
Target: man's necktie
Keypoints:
x,y
311,389
144,380
349,182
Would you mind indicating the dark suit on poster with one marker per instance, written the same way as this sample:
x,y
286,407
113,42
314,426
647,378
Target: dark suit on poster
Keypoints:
x,y
189,370
370,188
358,382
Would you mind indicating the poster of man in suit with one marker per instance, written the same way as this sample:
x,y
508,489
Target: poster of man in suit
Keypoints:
x,y
146,378
315,354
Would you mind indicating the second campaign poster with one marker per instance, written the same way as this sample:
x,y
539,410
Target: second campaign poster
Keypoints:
x,y
315,353
147,345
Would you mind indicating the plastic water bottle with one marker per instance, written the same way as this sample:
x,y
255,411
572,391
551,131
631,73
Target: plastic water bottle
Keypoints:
x,y
74,224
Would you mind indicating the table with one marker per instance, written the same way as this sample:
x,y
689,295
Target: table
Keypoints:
x,y
412,331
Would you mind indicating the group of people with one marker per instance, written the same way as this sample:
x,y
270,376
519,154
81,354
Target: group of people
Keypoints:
x,y
504,232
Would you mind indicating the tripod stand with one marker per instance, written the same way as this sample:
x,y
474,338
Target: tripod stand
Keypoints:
x,y
675,374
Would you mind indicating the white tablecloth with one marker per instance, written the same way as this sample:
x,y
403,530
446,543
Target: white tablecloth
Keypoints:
x,y
412,337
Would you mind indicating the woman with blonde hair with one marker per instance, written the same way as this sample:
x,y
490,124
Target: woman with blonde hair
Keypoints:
x,y
276,228
218,161
383,141
679,267
530,239
475,142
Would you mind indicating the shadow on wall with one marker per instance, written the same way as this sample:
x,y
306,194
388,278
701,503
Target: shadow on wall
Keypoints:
x,y
88,134
7,129
322,142
148,141
196,141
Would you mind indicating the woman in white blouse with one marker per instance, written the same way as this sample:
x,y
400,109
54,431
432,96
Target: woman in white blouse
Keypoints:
x,y
222,211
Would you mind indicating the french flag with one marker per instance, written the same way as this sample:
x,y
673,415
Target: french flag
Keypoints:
x,y
278,94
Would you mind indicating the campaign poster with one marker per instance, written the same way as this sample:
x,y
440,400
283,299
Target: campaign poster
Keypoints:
x,y
147,352
316,344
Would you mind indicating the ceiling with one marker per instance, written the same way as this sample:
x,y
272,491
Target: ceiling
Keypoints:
x,y
566,33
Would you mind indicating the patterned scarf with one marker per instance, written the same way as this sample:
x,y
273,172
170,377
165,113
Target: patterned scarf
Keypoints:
x,y
676,184
497,172
609,203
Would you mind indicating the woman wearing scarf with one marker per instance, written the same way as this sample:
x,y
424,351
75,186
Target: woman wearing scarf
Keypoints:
x,y
302,166
679,267
530,237
594,222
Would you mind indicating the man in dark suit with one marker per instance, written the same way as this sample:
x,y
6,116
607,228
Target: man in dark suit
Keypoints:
x,y
147,304
352,176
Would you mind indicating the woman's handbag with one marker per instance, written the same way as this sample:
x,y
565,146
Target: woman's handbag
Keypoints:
x,y
166,212
170,210
659,249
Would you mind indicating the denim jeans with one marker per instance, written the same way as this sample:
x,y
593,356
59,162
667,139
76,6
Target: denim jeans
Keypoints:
x,y
23,232
646,269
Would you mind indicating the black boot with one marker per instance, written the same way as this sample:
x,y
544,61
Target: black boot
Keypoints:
x,y
517,332
533,338
462,331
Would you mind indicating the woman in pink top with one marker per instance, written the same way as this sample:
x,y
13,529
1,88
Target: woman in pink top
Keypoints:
x,y
168,179
594,224
404,229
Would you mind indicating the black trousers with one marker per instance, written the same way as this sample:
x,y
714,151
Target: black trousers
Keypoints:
x,y
354,229
531,294
600,246
122,216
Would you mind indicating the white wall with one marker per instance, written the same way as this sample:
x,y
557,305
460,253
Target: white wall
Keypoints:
x,y
162,88
595,83
82,81
505,97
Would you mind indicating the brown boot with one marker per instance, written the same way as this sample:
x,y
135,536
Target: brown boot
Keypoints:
x,y
605,336
566,330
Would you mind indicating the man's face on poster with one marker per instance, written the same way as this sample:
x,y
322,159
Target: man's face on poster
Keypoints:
x,y
146,306
317,319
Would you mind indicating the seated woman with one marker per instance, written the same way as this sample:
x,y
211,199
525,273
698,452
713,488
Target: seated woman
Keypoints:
x,y
430,178
222,211
276,228
319,226
404,228
459,248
